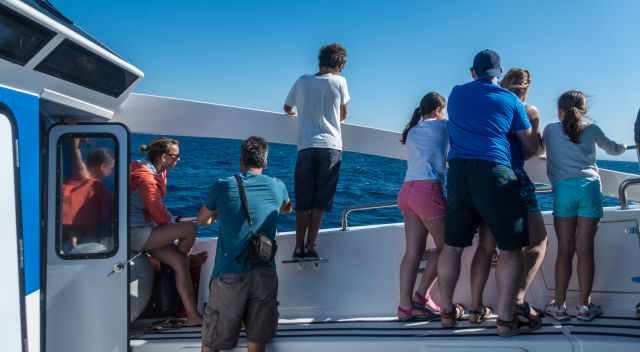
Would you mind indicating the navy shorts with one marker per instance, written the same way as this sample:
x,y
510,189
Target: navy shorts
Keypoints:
x,y
316,178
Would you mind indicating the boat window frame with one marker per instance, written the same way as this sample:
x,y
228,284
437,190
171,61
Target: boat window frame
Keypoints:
x,y
36,29
70,49
58,196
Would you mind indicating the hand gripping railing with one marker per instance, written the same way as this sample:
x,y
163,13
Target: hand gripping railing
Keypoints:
x,y
348,210
622,191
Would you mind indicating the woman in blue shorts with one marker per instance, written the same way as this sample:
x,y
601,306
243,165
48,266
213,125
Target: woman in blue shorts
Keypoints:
x,y
577,207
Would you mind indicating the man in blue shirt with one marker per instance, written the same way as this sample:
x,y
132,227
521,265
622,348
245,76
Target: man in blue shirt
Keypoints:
x,y
482,187
239,292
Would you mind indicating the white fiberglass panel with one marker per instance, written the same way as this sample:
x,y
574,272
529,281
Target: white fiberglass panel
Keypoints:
x,y
10,295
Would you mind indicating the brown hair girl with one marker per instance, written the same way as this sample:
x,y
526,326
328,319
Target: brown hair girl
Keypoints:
x,y
429,103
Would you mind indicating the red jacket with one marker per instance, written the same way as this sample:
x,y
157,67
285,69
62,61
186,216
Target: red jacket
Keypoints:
x,y
151,188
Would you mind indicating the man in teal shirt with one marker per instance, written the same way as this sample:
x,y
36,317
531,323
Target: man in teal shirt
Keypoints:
x,y
239,292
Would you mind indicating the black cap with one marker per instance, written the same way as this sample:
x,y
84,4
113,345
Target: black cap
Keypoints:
x,y
487,64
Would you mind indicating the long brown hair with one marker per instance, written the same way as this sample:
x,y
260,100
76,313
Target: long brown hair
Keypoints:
x,y
574,105
429,103
157,147
517,80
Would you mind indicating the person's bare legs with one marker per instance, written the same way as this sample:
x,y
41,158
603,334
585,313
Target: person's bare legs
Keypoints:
x,y
163,235
533,254
179,263
448,273
585,237
481,266
508,275
566,232
415,242
314,228
303,220
436,229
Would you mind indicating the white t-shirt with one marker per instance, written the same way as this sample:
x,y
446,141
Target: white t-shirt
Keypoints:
x,y
317,99
427,147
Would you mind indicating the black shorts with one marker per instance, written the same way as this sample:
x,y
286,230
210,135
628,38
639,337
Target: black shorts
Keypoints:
x,y
482,191
316,178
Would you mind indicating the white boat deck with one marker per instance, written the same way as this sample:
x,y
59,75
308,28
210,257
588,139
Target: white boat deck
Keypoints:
x,y
386,334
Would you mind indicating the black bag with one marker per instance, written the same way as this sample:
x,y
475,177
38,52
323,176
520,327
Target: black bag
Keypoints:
x,y
261,249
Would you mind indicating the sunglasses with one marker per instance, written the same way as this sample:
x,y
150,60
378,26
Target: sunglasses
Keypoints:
x,y
174,156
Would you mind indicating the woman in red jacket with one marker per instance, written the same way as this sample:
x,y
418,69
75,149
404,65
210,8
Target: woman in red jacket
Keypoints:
x,y
152,227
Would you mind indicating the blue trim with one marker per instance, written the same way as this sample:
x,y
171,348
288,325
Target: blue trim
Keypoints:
x,y
26,108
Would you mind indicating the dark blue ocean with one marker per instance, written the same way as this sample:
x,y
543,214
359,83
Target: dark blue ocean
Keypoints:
x,y
363,179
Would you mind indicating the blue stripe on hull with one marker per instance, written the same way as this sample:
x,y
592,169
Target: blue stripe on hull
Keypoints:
x,y
25,108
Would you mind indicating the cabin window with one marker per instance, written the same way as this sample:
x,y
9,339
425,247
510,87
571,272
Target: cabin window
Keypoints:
x,y
87,212
20,37
71,62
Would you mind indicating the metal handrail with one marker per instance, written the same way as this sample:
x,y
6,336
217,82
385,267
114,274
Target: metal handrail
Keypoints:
x,y
622,191
348,210
344,221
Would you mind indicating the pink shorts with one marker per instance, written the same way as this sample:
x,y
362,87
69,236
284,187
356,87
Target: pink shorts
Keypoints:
x,y
423,199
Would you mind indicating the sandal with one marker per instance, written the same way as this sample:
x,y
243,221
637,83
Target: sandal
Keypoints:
x,y
526,309
448,319
517,326
409,314
426,303
479,316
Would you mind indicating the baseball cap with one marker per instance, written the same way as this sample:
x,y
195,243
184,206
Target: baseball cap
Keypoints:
x,y
487,64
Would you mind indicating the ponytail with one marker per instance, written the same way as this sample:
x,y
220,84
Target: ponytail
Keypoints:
x,y
574,105
412,123
429,103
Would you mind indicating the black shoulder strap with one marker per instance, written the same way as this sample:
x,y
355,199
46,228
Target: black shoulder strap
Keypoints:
x,y
243,199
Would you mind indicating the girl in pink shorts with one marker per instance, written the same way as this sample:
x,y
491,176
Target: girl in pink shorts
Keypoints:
x,y
421,200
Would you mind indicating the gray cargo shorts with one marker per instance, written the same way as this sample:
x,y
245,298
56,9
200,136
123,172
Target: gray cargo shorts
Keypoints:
x,y
241,298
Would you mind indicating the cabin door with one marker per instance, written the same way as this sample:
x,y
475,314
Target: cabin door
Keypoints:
x,y
12,323
86,295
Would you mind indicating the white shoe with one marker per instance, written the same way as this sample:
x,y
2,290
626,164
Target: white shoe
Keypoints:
x,y
588,312
557,311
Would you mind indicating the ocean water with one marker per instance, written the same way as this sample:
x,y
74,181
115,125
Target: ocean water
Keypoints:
x,y
364,179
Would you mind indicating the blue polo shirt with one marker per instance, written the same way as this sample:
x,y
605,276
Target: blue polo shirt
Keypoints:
x,y
265,196
481,117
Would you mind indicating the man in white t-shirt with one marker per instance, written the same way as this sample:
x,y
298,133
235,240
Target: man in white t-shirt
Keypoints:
x,y
320,102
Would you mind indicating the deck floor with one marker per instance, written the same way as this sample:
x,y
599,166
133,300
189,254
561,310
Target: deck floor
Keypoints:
x,y
390,328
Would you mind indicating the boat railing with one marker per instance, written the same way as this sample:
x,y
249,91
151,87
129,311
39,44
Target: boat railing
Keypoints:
x,y
344,221
622,191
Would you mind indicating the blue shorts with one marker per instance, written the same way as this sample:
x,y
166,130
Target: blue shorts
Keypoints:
x,y
578,196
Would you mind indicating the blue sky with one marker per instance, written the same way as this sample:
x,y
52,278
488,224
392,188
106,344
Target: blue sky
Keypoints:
x,y
248,53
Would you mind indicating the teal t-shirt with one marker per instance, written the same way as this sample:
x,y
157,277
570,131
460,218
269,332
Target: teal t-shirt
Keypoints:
x,y
265,196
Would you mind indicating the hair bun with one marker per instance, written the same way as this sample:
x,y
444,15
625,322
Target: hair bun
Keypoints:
x,y
144,148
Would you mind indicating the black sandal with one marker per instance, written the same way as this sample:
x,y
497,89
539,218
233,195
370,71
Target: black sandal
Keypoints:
x,y
448,319
479,316
526,308
518,326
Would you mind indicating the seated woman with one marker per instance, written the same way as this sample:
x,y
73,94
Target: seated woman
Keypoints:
x,y
152,227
